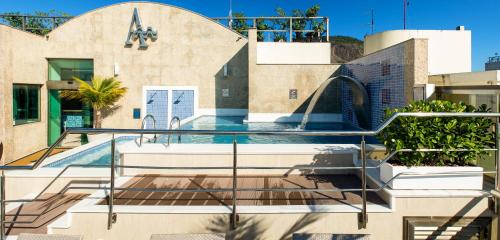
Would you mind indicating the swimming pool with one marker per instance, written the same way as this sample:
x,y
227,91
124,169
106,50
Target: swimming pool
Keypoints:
x,y
101,154
236,123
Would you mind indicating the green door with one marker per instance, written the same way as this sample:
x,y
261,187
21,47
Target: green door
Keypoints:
x,y
54,116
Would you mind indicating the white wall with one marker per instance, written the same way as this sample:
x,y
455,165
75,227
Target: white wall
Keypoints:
x,y
449,50
293,53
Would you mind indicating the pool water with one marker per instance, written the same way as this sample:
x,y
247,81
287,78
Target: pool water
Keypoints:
x,y
237,124
97,155
101,154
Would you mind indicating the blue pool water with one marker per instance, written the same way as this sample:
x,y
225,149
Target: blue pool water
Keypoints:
x,y
237,124
97,155
101,154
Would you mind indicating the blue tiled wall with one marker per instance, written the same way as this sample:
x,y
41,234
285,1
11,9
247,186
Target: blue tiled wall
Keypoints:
x,y
369,70
157,105
73,121
183,103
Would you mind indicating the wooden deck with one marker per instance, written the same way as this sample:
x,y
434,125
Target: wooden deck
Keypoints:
x,y
42,211
253,198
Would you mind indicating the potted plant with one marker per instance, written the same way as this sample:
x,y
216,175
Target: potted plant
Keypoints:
x,y
101,94
447,133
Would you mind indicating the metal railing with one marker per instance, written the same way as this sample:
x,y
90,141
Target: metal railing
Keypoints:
x,y
282,21
143,125
363,219
275,24
170,127
47,23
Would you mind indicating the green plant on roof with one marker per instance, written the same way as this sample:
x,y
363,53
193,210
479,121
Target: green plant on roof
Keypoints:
x,y
101,94
447,133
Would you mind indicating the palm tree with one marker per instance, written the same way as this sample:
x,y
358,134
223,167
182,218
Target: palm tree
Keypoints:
x,y
101,94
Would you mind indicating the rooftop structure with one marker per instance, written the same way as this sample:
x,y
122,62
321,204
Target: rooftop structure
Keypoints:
x,y
493,63
220,135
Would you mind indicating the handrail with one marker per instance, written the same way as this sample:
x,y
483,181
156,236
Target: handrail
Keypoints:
x,y
178,120
234,189
224,132
143,124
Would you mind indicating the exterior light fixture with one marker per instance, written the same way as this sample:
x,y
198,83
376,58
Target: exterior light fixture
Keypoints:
x,y
116,69
225,70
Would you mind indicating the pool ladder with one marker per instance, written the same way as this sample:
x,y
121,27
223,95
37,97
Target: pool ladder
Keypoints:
x,y
178,120
144,124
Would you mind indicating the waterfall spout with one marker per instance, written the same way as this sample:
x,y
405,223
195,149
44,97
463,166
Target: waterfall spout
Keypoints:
x,y
360,101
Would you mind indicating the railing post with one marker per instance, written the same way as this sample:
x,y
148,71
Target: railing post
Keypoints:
x,y
327,29
111,215
234,218
363,217
291,30
24,23
497,161
2,205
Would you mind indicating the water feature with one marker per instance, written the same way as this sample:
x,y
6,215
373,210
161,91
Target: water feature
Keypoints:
x,y
360,101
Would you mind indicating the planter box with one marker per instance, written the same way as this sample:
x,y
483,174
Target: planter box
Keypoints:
x,y
466,180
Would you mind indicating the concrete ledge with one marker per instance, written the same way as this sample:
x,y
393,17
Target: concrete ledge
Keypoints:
x,y
293,117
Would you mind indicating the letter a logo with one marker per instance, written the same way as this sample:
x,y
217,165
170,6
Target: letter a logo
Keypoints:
x,y
139,32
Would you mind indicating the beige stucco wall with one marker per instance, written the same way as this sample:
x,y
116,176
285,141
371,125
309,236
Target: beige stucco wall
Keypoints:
x,y
21,62
416,65
466,79
191,50
450,51
269,84
293,53
274,226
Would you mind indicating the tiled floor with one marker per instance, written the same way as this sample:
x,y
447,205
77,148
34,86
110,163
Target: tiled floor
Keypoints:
x,y
256,198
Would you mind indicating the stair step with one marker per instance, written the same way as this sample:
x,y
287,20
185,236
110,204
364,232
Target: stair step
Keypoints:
x,y
25,236
200,236
329,236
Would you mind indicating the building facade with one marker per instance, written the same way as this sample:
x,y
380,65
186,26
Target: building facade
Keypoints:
x,y
184,64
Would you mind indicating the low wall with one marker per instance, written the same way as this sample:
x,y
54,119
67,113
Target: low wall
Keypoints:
x,y
136,225
19,184
249,155
293,53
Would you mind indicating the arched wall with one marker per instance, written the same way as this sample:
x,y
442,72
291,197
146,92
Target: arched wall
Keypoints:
x,y
191,50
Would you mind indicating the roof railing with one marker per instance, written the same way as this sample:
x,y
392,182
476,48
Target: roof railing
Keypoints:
x,y
318,28
363,217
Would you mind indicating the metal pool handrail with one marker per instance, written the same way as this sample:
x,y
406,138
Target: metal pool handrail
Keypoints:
x,y
178,120
363,215
144,125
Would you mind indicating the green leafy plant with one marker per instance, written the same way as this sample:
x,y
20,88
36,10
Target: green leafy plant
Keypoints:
x,y
447,133
101,94
239,24
36,22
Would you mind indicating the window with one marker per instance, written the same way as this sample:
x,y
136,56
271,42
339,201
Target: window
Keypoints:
x,y
26,103
386,68
66,69
386,96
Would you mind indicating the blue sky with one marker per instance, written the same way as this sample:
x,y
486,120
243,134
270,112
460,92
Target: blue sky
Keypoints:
x,y
348,17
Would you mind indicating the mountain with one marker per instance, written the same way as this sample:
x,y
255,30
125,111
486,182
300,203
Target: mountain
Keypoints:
x,y
345,48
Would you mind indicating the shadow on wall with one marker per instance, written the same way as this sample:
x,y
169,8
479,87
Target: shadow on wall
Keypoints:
x,y
255,227
329,102
231,91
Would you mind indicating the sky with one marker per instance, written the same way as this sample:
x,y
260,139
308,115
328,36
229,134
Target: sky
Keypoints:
x,y
347,17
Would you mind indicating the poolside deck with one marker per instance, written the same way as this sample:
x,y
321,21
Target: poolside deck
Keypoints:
x,y
43,211
33,157
253,198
